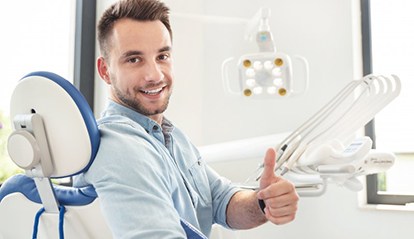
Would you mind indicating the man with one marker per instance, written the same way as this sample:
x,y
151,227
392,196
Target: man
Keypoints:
x,y
147,173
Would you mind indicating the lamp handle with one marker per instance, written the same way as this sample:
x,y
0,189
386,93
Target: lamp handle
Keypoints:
x,y
305,75
225,76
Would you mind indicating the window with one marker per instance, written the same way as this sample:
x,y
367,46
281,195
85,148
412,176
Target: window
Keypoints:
x,y
37,36
46,35
387,42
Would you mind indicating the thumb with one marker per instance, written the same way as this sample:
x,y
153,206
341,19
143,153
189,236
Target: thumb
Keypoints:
x,y
268,176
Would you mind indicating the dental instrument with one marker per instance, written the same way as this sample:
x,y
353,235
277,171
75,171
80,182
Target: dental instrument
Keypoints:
x,y
343,122
354,106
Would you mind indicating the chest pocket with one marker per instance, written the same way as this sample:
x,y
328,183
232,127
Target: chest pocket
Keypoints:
x,y
200,182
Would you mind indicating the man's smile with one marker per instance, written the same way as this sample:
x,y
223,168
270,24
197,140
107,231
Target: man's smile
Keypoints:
x,y
153,92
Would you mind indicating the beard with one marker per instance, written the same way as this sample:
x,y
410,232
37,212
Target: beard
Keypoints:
x,y
132,102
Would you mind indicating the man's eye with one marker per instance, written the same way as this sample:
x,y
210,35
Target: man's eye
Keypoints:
x,y
134,60
163,57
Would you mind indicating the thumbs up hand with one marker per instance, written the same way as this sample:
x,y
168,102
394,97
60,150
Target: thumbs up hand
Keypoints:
x,y
278,194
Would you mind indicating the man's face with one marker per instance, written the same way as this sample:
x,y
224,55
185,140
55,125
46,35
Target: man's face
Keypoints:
x,y
139,68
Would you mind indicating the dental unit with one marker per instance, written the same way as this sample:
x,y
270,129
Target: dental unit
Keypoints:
x,y
335,123
325,147
324,144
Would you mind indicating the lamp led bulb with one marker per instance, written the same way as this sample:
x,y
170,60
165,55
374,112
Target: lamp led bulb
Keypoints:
x,y
250,73
250,82
257,65
278,82
271,90
277,72
257,90
268,65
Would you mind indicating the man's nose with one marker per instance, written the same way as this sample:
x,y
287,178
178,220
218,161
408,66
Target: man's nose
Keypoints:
x,y
153,72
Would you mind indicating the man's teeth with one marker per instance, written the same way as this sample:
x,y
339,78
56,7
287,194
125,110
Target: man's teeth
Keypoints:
x,y
152,92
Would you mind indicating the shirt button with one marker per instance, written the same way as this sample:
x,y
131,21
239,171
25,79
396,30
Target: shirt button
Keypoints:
x,y
155,128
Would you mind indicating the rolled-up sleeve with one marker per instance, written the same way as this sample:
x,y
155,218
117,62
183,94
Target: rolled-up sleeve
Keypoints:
x,y
222,191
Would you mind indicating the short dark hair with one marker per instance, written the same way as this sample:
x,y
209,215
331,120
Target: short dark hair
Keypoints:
x,y
141,10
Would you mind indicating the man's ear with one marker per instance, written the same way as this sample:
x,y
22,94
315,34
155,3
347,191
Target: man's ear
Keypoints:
x,y
103,70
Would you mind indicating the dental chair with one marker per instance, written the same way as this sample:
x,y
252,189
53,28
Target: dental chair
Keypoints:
x,y
55,136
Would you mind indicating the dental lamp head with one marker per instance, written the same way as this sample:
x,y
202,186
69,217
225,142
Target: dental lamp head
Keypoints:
x,y
267,73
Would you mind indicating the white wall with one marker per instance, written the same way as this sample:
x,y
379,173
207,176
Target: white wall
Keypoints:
x,y
318,30
326,32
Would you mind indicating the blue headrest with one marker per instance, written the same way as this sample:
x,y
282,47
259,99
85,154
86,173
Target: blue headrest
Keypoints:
x,y
82,104
70,126
65,195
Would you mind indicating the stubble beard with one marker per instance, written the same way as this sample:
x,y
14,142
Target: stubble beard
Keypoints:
x,y
130,101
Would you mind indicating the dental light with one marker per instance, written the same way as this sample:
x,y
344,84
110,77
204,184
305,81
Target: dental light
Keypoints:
x,y
268,73
324,148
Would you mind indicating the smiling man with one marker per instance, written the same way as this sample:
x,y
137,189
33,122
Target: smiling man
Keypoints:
x,y
147,173
139,67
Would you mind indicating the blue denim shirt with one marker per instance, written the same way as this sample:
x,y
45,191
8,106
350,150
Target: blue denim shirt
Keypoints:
x,y
149,176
